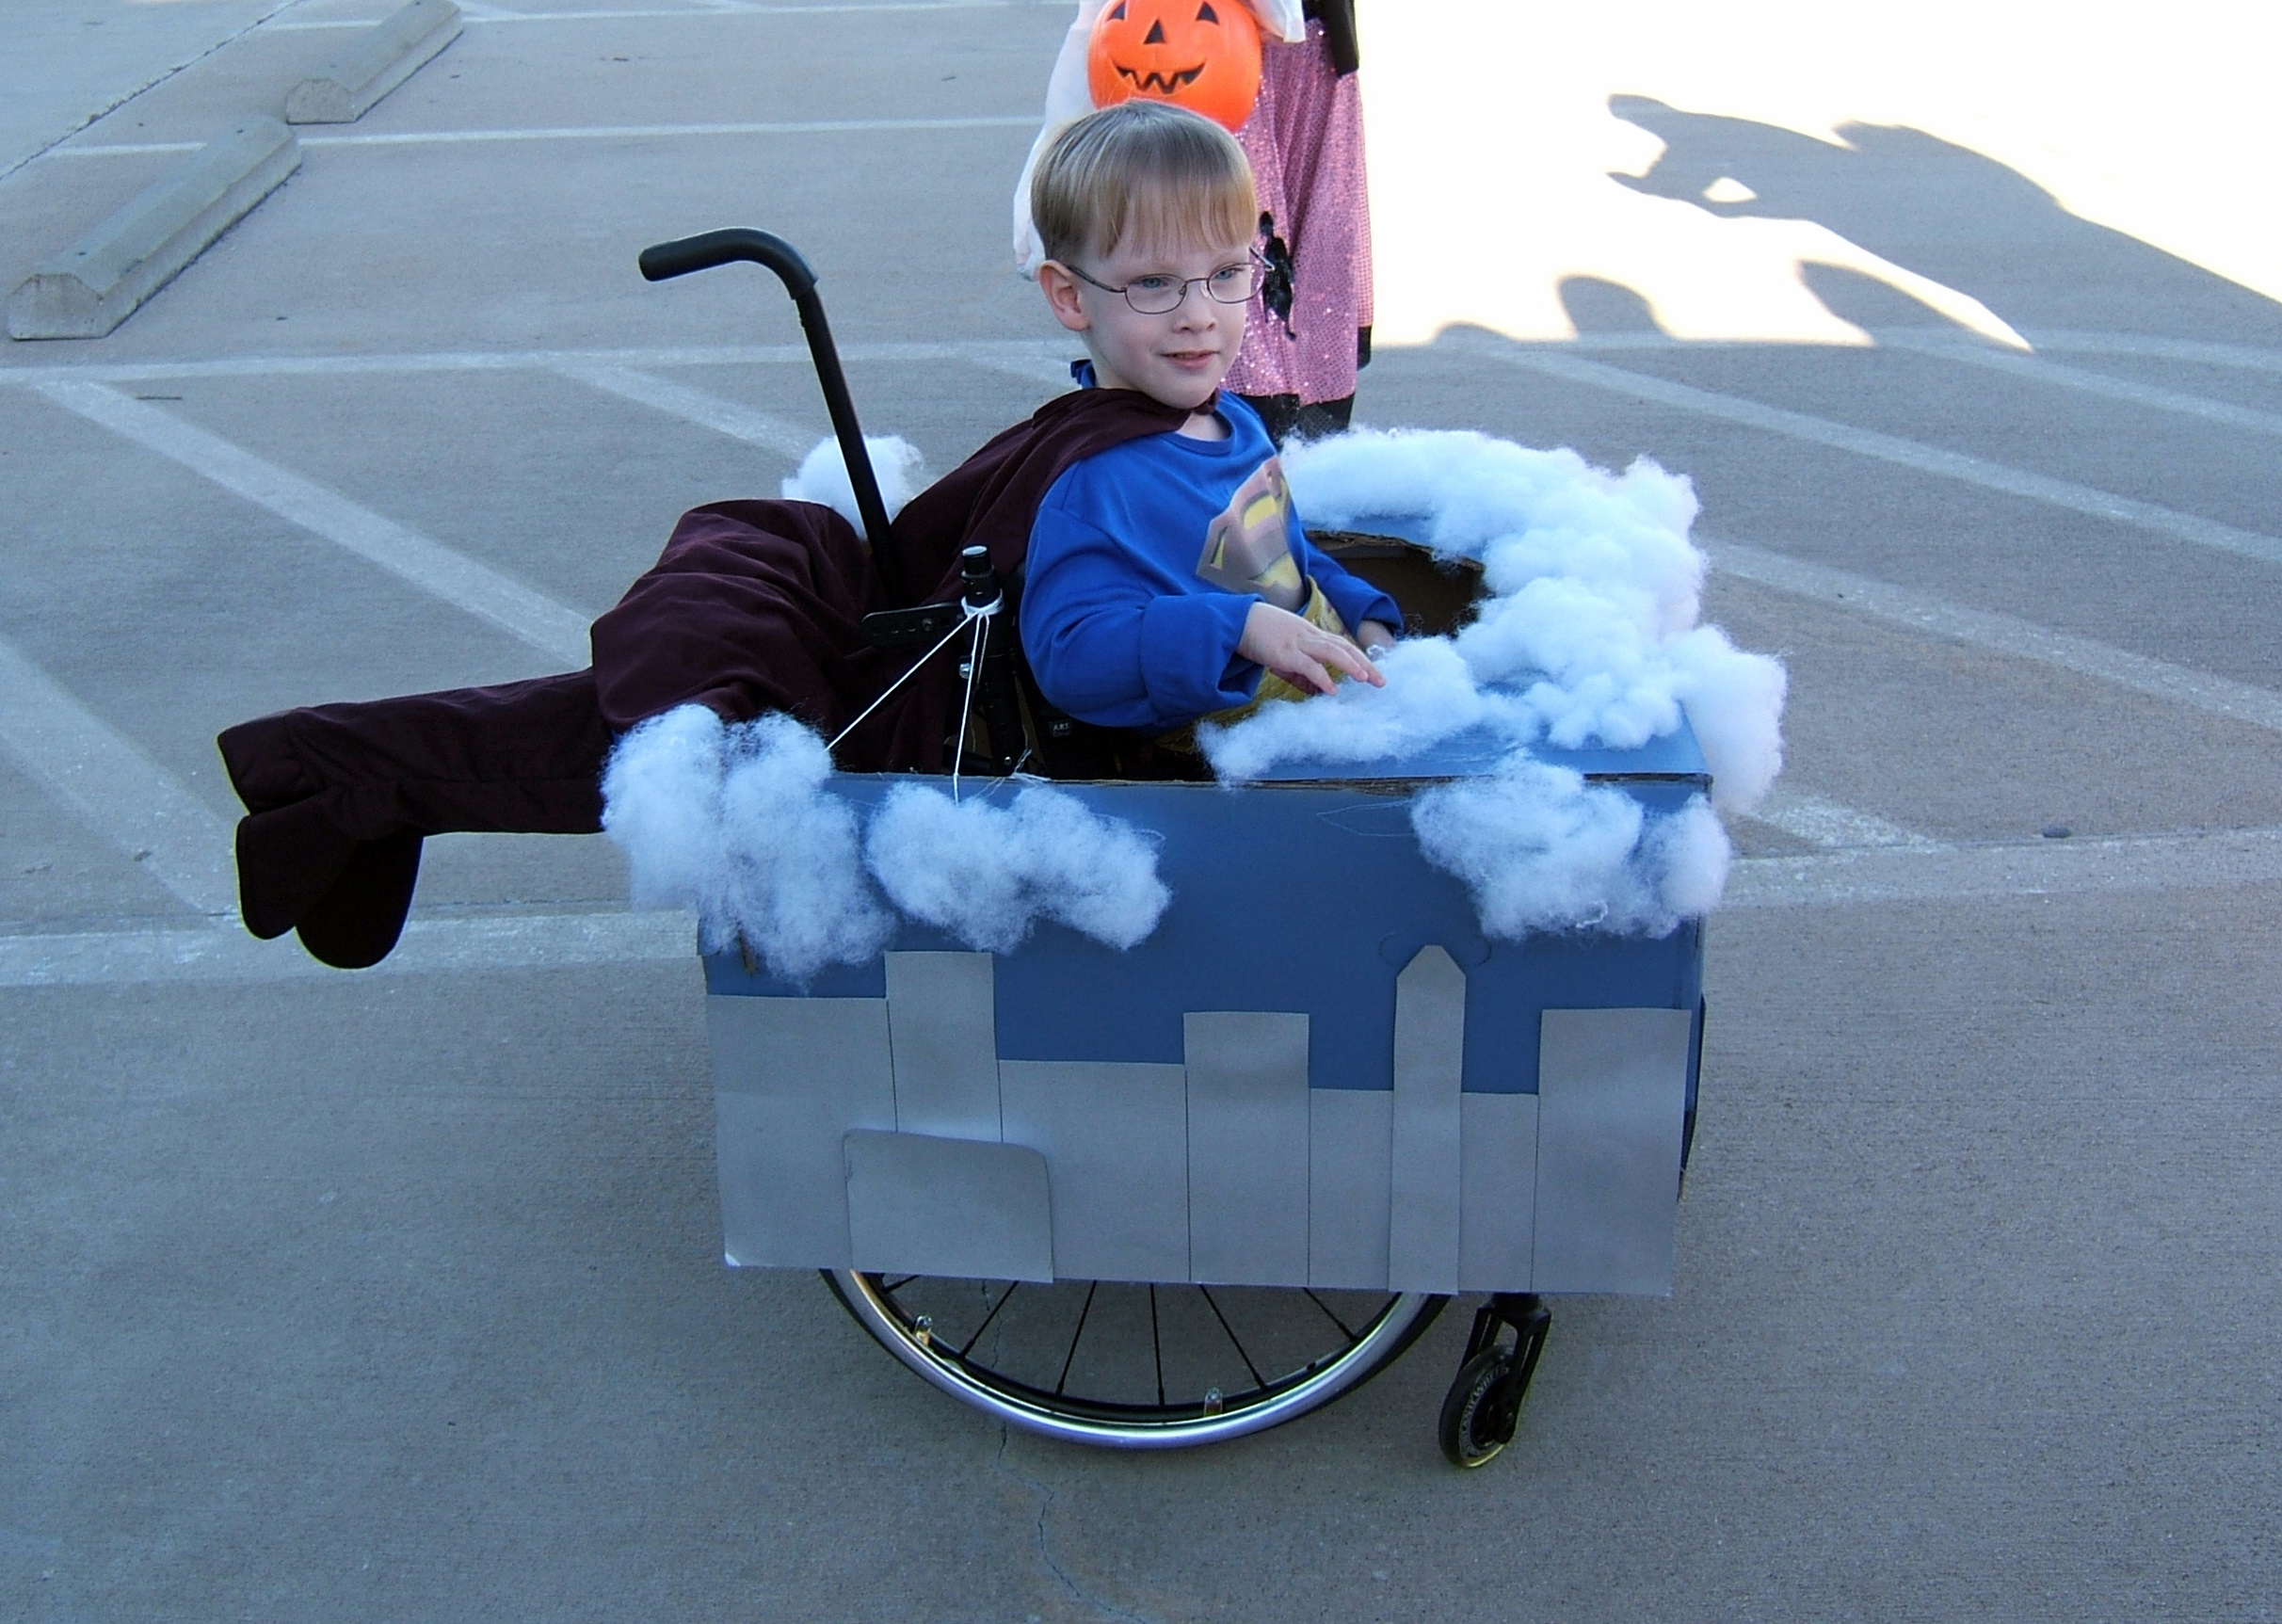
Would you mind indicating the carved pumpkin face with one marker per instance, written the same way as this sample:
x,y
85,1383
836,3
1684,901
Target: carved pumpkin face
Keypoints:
x,y
1201,55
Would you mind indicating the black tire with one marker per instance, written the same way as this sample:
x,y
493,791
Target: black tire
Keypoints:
x,y
1167,1366
1477,1424
1483,1409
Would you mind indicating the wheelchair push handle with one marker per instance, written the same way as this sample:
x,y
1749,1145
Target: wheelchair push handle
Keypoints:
x,y
664,261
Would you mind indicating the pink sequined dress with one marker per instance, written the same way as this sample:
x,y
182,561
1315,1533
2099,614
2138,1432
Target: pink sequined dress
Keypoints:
x,y
1305,140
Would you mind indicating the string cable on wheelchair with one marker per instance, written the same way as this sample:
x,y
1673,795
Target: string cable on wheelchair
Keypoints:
x,y
966,705
970,613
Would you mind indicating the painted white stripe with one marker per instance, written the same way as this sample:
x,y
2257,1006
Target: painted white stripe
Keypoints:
x,y
555,630
2002,634
117,790
730,417
125,150
2240,358
446,945
592,133
984,352
472,12
492,942
1967,353
737,9
1043,365
1836,828
1892,448
2227,859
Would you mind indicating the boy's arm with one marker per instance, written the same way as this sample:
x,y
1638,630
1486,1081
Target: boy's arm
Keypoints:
x,y
1107,649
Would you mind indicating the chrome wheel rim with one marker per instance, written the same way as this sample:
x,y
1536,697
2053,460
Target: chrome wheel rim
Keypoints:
x,y
895,1311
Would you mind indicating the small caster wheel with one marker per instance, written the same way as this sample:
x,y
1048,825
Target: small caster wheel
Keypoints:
x,y
1478,1417
1484,1407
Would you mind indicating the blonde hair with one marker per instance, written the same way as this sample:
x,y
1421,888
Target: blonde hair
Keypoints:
x,y
1141,170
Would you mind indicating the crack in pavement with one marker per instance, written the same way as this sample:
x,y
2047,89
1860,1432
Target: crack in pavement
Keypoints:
x,y
1053,1565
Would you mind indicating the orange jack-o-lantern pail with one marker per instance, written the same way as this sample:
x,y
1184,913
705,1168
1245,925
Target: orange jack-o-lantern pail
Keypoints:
x,y
1201,55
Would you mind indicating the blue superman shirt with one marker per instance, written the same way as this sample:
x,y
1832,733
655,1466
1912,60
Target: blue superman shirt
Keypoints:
x,y
1145,560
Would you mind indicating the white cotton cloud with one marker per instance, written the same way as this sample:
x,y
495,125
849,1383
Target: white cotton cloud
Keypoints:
x,y
1587,636
1429,695
1688,855
796,888
1542,850
661,807
1735,703
987,873
739,825
823,477
734,823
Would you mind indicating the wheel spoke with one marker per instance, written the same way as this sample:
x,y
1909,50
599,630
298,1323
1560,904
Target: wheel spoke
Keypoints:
x,y
1156,1345
1108,1395
1352,1338
1012,1286
1258,1380
1071,1358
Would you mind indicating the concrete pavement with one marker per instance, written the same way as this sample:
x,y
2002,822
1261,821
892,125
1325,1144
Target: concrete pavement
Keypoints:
x,y
398,1295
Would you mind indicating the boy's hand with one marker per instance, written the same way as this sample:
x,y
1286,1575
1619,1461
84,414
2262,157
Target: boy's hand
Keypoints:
x,y
1376,636
1302,654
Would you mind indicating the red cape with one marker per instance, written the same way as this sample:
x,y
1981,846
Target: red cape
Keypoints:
x,y
758,606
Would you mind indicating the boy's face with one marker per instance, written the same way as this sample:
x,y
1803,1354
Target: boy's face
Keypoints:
x,y
1178,358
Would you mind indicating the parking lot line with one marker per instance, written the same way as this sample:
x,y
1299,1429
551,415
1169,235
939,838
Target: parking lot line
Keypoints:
x,y
2143,347
730,417
1921,612
1046,364
1833,827
2224,859
1911,453
117,790
554,629
982,351
474,14
590,133
1967,353
490,943
430,946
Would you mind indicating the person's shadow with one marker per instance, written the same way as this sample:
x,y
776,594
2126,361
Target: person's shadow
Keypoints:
x,y
1948,214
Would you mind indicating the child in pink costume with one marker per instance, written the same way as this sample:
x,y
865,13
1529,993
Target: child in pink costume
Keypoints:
x,y
1311,330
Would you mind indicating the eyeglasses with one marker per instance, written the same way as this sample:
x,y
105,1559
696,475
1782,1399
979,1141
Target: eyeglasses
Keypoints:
x,y
1163,294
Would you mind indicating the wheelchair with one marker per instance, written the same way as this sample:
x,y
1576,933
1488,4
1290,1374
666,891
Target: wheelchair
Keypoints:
x,y
1095,1339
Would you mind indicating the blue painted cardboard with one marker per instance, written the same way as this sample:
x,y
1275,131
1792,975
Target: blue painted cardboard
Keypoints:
x,y
1302,897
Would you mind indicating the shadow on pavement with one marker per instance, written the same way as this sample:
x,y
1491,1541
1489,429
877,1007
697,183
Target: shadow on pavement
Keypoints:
x,y
1948,214
1596,305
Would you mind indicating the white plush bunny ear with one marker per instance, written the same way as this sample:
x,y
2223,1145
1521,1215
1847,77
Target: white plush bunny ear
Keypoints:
x,y
1285,19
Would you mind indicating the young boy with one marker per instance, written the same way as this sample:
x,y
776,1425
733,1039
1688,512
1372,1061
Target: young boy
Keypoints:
x,y
1168,580
1166,573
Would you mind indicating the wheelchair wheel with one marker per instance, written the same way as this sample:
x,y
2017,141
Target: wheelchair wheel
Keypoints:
x,y
1132,1366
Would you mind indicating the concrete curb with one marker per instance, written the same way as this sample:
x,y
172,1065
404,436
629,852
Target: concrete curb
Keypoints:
x,y
90,289
383,59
